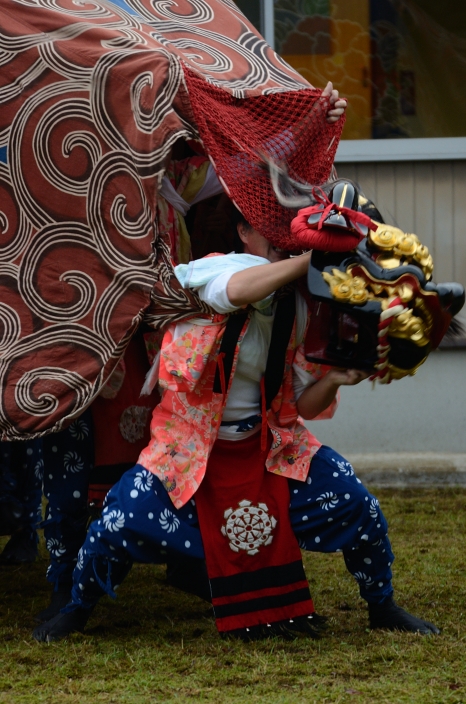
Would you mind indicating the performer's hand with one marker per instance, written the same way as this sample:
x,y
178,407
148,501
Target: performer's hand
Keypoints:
x,y
347,377
319,396
337,104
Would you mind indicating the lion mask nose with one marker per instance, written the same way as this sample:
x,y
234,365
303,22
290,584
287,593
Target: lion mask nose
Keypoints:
x,y
452,297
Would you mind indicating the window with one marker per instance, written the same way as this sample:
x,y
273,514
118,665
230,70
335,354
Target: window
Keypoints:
x,y
401,63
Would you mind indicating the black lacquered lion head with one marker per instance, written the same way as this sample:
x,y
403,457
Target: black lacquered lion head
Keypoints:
x,y
373,306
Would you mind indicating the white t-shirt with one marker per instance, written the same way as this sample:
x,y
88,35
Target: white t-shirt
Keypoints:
x,y
244,398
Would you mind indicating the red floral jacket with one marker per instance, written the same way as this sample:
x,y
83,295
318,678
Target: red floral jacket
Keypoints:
x,y
186,422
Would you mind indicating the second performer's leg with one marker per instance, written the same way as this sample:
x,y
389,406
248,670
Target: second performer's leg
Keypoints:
x,y
68,457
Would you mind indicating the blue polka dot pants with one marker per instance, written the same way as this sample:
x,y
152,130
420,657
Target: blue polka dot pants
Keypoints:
x,y
330,512
138,524
67,459
21,478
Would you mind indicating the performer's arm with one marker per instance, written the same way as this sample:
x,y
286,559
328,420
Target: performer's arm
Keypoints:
x,y
258,282
317,397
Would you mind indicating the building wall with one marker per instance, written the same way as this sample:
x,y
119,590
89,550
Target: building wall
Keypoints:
x,y
425,413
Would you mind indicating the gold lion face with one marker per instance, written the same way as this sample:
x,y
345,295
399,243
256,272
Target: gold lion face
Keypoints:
x,y
390,271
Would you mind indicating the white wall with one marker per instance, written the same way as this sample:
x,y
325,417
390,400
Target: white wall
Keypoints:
x,y
425,413
424,197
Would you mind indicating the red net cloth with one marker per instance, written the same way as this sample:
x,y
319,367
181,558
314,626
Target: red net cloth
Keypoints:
x,y
289,127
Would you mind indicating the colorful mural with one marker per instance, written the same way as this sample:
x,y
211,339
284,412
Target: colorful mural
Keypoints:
x,y
399,63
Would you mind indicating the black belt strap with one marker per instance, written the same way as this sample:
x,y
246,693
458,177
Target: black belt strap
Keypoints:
x,y
281,332
235,324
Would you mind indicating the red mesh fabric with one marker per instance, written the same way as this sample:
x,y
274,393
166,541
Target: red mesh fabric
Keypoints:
x,y
289,127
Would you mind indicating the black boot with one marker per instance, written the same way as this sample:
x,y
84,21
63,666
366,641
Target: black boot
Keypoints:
x,y
392,617
62,625
21,548
59,599
11,514
188,574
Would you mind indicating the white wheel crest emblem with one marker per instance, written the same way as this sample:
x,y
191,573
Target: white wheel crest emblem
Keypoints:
x,y
248,527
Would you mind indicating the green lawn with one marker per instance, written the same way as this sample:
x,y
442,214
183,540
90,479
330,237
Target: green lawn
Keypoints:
x,y
155,644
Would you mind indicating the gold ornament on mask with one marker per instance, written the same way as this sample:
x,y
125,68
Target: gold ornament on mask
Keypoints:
x,y
385,237
413,323
397,373
346,288
408,326
397,248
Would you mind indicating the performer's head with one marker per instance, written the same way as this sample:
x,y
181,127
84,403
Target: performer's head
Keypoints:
x,y
247,240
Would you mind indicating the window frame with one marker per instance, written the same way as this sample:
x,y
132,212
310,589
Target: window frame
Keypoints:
x,y
410,149
367,150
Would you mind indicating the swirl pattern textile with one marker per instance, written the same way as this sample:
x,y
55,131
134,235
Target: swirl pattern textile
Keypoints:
x,y
93,95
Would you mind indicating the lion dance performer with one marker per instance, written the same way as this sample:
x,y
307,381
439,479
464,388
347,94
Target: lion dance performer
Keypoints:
x,y
231,473
93,100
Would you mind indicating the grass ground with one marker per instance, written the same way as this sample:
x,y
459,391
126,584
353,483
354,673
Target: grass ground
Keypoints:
x,y
155,644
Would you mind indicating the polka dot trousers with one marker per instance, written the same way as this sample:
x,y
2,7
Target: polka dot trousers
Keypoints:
x,y
332,511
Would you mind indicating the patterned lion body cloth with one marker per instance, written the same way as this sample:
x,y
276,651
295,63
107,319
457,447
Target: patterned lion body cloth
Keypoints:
x,y
92,99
